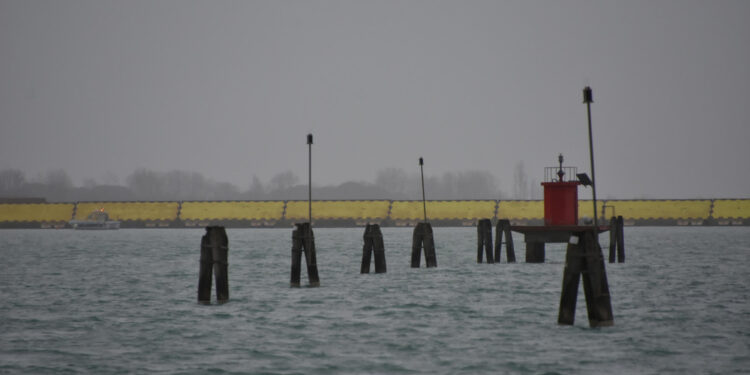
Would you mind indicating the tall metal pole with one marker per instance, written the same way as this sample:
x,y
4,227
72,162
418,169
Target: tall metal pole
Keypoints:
x,y
309,177
424,203
588,99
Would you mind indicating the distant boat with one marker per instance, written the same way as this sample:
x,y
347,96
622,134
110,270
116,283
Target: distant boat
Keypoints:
x,y
98,219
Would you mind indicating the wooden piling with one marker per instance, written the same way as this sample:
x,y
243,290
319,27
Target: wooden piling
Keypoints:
x,y
484,240
620,239
612,238
214,264
205,276
423,238
503,230
535,252
583,259
303,240
616,239
373,239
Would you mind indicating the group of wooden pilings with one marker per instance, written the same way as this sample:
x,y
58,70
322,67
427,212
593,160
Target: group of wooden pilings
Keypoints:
x,y
583,261
422,239
215,248
484,241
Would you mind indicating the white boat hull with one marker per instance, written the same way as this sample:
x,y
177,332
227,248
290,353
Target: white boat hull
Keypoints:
x,y
95,225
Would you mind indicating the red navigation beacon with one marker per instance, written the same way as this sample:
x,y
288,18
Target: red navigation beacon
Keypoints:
x,y
560,195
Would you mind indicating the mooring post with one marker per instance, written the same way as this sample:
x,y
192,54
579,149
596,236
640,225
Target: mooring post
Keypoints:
x,y
503,229
423,238
214,263
535,252
429,247
423,234
620,239
583,259
304,241
612,238
416,246
297,239
366,251
484,240
373,244
379,249
205,276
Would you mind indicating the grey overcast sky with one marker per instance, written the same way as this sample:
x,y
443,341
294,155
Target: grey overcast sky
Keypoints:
x,y
230,89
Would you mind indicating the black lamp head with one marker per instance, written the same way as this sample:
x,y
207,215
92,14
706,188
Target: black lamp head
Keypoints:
x,y
309,139
588,97
421,161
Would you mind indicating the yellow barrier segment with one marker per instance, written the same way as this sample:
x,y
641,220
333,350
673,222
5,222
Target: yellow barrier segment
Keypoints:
x,y
298,210
236,210
662,209
515,210
43,212
443,210
732,209
149,211
586,209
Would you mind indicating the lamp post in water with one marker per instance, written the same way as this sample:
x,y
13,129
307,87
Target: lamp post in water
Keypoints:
x,y
588,99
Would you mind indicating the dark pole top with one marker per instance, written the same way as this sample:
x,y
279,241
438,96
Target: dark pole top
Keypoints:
x,y
588,96
309,139
424,202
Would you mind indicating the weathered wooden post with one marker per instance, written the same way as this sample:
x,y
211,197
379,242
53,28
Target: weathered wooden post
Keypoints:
x,y
616,239
612,238
503,229
484,240
620,239
214,262
535,252
373,244
423,239
584,259
304,241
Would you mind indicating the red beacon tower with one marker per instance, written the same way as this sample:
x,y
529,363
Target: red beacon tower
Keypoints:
x,y
560,195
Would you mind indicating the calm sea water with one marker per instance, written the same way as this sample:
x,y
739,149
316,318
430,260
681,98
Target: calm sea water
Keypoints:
x,y
125,302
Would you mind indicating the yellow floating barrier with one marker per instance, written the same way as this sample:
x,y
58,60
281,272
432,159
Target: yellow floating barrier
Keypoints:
x,y
731,209
36,212
661,209
586,209
331,210
232,210
521,210
443,210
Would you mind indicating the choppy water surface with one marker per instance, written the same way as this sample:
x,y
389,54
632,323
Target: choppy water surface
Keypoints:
x,y
125,302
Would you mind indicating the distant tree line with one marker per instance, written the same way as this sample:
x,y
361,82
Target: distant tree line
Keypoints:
x,y
148,185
